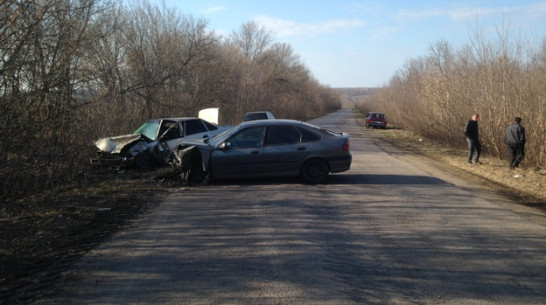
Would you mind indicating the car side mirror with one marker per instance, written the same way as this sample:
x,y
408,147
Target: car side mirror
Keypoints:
x,y
222,146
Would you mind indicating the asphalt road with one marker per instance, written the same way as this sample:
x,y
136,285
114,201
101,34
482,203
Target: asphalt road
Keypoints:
x,y
395,229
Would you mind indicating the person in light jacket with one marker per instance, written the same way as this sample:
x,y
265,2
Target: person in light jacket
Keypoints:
x,y
514,137
473,139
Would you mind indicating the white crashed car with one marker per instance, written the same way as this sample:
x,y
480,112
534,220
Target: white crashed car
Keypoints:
x,y
152,143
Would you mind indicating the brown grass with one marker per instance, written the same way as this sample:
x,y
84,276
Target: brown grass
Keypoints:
x,y
43,234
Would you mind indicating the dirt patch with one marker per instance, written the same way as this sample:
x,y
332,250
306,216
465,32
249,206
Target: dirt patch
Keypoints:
x,y
42,236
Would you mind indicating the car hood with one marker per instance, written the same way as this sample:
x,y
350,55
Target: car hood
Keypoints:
x,y
115,144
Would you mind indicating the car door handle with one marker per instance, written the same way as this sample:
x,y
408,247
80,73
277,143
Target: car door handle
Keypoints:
x,y
254,152
301,148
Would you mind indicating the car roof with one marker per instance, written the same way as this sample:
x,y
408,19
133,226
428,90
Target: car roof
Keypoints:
x,y
253,112
181,119
178,119
271,122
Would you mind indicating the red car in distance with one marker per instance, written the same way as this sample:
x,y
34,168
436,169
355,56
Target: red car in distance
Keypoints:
x,y
376,119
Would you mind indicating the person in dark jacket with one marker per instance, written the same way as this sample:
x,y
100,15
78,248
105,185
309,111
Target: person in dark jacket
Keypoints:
x,y
473,139
514,137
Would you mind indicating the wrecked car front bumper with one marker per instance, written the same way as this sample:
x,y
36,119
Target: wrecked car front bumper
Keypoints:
x,y
191,163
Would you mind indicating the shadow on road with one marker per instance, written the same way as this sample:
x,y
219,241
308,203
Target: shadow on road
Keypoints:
x,y
346,179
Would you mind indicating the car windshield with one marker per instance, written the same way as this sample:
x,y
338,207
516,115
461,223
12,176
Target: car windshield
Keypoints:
x,y
149,129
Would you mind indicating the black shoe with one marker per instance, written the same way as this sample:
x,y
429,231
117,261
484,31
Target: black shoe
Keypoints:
x,y
477,162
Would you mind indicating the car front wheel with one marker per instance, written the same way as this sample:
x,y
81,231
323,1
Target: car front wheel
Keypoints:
x,y
196,174
145,161
314,171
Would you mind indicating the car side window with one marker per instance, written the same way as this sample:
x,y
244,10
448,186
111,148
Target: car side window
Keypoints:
x,y
195,126
172,132
282,134
308,136
169,130
247,138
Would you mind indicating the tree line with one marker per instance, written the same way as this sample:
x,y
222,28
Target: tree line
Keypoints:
x,y
72,71
498,78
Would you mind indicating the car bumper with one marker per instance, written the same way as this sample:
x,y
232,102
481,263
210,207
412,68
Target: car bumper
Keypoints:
x,y
340,164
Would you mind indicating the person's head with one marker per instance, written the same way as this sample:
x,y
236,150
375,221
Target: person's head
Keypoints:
x,y
475,117
517,119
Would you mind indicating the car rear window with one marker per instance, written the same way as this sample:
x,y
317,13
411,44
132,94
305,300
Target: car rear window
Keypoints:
x,y
255,116
377,116
210,126
308,136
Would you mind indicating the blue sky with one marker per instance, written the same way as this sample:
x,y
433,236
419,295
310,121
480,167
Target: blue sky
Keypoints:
x,y
363,43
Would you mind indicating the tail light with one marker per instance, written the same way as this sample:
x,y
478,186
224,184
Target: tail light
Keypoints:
x,y
346,145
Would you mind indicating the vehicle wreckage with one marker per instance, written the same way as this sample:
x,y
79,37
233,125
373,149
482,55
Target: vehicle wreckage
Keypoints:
x,y
152,143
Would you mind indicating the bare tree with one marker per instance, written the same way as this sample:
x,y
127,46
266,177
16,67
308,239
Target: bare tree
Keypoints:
x,y
252,39
495,78
74,70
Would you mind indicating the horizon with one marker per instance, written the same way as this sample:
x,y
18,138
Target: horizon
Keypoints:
x,y
362,44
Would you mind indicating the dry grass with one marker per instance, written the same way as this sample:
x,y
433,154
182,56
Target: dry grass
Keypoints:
x,y
43,234
526,183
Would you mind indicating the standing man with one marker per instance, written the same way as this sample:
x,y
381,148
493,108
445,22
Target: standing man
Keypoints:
x,y
514,137
473,139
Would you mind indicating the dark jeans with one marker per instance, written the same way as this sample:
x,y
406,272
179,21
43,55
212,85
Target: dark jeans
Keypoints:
x,y
516,152
474,144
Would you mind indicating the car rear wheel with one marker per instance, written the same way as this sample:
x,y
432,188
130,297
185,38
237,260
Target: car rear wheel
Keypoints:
x,y
314,171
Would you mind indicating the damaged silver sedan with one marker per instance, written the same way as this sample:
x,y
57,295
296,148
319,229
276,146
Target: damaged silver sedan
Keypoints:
x,y
264,148
152,143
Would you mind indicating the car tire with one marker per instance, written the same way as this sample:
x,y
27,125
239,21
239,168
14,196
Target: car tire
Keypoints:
x,y
314,171
196,174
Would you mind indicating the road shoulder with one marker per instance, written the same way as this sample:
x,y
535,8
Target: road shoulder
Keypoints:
x,y
484,188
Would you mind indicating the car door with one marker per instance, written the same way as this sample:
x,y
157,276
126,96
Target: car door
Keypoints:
x,y
169,135
187,129
283,149
241,154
